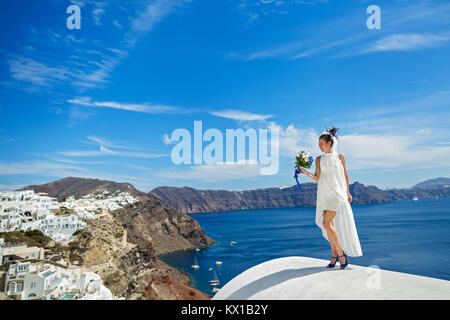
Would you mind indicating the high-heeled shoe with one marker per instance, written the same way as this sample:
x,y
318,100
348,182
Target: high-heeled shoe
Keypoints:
x,y
331,265
346,261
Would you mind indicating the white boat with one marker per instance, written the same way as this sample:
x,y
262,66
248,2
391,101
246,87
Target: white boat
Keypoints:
x,y
215,281
197,249
415,198
215,290
195,265
218,263
232,243
210,269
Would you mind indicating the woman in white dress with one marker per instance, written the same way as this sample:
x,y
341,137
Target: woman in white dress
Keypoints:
x,y
334,214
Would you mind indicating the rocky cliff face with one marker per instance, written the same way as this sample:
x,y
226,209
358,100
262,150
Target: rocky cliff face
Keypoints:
x,y
127,269
166,229
122,247
189,200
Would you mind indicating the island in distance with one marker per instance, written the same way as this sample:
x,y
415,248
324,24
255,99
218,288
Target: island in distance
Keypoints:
x,y
190,200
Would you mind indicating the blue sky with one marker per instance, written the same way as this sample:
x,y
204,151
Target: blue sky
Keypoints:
x,y
102,101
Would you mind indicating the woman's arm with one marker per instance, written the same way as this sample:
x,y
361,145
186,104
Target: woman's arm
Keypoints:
x,y
315,176
342,158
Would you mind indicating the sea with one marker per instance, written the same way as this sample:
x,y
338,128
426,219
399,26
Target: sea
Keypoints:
x,y
404,236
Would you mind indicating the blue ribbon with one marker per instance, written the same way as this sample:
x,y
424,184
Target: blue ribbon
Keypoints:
x,y
297,172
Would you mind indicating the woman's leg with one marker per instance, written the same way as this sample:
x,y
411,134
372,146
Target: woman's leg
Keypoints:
x,y
333,238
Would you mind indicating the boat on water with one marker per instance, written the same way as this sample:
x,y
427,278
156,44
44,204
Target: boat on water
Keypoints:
x,y
232,243
215,281
415,198
195,265
215,290
218,263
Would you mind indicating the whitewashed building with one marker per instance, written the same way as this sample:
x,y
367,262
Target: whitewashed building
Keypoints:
x,y
10,252
32,281
15,278
92,205
26,210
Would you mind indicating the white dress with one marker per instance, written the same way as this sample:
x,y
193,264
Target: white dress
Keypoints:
x,y
332,195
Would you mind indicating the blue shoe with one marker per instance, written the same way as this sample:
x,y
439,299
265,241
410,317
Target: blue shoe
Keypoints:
x,y
346,261
331,265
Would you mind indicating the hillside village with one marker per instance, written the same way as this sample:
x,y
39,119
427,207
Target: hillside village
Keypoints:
x,y
30,273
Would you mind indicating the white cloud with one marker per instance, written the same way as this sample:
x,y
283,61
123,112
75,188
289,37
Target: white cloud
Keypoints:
x,y
423,131
117,24
39,168
405,42
44,67
322,36
293,139
104,142
145,108
107,152
97,14
80,75
391,151
281,50
78,3
149,17
240,115
166,140
70,38
217,172
106,149
61,170
36,73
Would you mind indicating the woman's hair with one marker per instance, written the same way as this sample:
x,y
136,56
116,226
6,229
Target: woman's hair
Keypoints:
x,y
329,136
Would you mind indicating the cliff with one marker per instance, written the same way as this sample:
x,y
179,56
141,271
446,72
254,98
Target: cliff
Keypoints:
x,y
122,247
166,229
127,269
189,200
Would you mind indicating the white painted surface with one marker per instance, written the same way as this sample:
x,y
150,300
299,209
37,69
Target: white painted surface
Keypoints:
x,y
299,278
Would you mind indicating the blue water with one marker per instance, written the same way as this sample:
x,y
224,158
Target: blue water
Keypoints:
x,y
405,236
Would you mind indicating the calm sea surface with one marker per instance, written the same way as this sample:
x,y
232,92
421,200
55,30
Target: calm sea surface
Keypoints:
x,y
405,236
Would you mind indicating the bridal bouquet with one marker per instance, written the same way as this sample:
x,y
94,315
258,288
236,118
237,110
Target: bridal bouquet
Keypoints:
x,y
304,159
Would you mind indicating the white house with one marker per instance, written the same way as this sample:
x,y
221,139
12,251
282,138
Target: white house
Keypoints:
x,y
33,281
10,252
15,277
61,228
25,210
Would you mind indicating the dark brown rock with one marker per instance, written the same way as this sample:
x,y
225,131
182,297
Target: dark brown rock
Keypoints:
x,y
79,187
166,229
